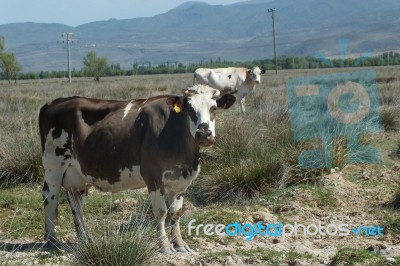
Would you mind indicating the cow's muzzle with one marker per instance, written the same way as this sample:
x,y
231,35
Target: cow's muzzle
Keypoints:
x,y
204,136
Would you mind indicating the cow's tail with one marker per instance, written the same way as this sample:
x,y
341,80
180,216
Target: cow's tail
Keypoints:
x,y
43,125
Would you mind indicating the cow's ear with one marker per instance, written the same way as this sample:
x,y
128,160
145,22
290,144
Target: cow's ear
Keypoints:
x,y
189,91
216,93
175,103
262,71
185,91
226,101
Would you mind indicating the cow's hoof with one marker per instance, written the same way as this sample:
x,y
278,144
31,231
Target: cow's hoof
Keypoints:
x,y
167,250
52,244
184,249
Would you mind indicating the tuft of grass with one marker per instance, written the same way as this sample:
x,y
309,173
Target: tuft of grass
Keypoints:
x,y
353,256
323,197
391,224
253,154
274,257
390,117
242,166
20,158
131,242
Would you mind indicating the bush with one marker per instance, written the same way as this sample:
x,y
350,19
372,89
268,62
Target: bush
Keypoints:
x,y
131,242
390,117
252,155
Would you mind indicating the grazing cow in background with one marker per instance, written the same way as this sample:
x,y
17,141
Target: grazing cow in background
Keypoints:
x,y
119,145
240,80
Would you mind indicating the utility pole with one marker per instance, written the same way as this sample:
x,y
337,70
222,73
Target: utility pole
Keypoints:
x,y
388,58
272,10
67,37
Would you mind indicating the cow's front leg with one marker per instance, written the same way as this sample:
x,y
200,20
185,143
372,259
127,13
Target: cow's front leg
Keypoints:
x,y
76,203
175,202
160,213
242,97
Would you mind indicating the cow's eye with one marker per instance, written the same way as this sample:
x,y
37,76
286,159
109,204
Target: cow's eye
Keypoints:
x,y
213,109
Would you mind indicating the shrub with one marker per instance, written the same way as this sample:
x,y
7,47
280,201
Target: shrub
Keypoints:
x,y
390,117
252,155
131,242
351,256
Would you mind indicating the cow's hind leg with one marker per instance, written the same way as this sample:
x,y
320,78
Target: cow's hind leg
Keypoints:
x,y
175,202
50,191
160,213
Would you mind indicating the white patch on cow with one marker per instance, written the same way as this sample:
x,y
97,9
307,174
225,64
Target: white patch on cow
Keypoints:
x,y
201,102
157,200
127,180
256,74
50,161
179,184
160,213
58,142
127,109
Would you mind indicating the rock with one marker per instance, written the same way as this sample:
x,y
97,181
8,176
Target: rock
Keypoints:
x,y
294,263
377,248
390,260
249,261
262,216
229,261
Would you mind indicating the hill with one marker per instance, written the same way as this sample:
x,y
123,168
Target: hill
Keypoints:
x,y
197,31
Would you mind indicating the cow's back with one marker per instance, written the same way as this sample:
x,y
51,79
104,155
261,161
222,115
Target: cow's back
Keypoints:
x,y
73,113
221,78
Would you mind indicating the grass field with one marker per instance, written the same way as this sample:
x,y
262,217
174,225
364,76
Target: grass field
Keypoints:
x,y
251,174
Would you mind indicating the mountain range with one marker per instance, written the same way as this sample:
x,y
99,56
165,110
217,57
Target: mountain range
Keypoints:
x,y
196,31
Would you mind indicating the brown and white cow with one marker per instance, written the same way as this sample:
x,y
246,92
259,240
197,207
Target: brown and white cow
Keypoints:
x,y
240,80
119,145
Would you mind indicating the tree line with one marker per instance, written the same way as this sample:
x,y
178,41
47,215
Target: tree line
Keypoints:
x,y
96,66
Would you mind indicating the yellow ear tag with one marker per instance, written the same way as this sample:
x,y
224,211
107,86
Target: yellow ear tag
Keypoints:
x,y
177,108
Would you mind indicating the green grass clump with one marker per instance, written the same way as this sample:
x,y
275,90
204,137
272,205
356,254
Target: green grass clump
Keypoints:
x,y
390,117
268,256
242,165
131,242
252,155
391,223
354,256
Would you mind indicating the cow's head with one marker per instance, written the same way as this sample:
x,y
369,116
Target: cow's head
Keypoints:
x,y
255,74
200,102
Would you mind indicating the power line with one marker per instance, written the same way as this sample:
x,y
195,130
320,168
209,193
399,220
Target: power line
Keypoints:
x,y
68,39
272,10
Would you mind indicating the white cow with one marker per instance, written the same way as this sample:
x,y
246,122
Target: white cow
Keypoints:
x,y
240,80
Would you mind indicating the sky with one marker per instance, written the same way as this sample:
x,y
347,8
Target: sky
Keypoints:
x,y
77,12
